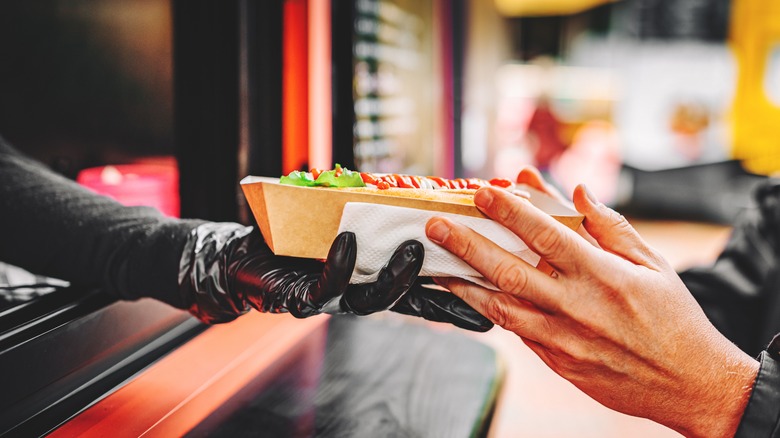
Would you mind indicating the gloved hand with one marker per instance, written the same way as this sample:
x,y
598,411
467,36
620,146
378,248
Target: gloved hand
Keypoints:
x,y
226,269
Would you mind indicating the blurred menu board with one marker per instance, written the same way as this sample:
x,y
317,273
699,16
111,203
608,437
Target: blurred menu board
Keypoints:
x,y
705,20
393,86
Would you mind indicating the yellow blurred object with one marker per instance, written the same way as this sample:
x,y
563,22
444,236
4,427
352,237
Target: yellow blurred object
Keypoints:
x,y
521,8
755,39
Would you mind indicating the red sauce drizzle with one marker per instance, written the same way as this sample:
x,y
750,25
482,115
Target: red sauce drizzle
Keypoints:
x,y
384,182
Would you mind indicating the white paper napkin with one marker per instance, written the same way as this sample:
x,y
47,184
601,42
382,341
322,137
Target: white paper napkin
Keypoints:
x,y
381,228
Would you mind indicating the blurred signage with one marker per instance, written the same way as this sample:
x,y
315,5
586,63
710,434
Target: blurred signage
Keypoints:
x,y
393,86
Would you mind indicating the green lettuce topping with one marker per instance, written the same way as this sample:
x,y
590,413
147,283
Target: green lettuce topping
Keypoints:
x,y
327,178
297,178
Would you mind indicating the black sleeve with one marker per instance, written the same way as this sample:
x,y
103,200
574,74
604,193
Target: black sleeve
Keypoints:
x,y
762,414
740,293
52,226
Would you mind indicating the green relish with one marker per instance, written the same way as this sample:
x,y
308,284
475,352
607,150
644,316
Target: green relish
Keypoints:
x,y
338,177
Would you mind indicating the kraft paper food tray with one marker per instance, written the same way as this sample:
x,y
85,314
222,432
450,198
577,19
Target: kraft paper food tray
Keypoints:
x,y
302,221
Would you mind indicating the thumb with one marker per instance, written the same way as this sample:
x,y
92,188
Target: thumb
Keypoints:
x,y
611,230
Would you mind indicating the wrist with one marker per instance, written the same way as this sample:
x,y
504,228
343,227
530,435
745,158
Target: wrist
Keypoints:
x,y
762,413
207,269
723,396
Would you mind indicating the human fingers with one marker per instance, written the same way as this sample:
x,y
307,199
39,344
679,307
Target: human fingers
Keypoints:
x,y
515,315
531,176
508,272
394,280
439,306
612,231
556,244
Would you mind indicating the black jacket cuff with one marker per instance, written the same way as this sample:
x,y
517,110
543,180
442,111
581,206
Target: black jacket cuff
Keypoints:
x,y
762,415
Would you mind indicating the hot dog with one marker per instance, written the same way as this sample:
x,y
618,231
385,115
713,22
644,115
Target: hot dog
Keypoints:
x,y
344,178
283,210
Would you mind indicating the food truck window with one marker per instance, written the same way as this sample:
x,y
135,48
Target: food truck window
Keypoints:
x,y
87,83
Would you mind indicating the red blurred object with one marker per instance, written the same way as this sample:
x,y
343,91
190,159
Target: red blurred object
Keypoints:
x,y
154,183
295,89
546,130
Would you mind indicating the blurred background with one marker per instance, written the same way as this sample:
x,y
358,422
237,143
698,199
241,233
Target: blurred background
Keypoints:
x,y
152,93
667,109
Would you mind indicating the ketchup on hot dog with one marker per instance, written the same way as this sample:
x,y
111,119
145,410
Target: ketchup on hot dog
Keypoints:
x,y
345,178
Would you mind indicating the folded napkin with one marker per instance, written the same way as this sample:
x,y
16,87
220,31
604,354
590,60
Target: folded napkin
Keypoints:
x,y
381,228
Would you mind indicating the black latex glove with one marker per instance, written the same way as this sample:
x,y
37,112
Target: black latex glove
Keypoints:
x,y
226,269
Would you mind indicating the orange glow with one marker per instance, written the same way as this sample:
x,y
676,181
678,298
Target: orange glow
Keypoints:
x,y
320,129
295,86
521,8
182,389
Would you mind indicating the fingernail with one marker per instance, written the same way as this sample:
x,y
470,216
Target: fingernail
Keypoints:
x,y
483,198
438,231
590,195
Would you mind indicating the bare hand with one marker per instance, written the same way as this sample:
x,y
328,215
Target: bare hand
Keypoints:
x,y
530,176
614,319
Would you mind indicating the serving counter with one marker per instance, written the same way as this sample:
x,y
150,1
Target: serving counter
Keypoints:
x,y
143,369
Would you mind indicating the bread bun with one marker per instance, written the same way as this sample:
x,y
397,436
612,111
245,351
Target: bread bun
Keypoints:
x,y
457,196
